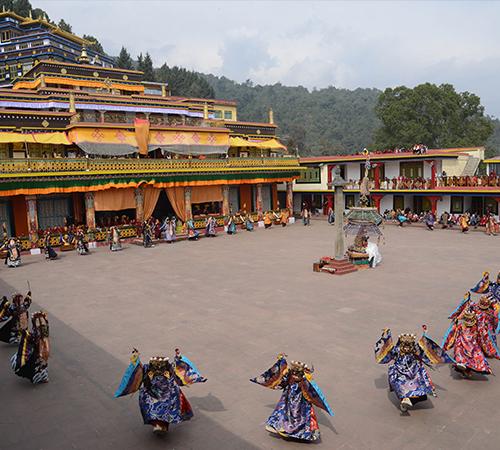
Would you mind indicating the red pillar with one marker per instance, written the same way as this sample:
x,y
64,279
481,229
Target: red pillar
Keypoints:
x,y
376,175
433,173
329,203
433,199
377,198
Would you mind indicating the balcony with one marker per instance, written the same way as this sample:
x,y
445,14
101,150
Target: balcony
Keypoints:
x,y
491,182
21,168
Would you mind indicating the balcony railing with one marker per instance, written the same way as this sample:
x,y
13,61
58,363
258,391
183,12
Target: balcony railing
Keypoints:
x,y
402,183
27,167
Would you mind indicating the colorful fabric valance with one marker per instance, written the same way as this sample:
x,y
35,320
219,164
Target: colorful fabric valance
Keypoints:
x,y
55,138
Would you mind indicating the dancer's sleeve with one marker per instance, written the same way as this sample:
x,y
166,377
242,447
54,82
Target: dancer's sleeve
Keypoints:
x,y
483,285
432,353
313,394
464,304
384,347
186,373
132,379
449,337
5,310
273,377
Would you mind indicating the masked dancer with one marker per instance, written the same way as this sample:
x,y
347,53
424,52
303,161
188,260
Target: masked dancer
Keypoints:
x,y
192,233
13,256
50,253
294,416
210,225
114,239
14,317
408,377
463,338
161,400
32,357
486,310
81,244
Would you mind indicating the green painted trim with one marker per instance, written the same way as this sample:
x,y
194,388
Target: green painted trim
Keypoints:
x,y
180,178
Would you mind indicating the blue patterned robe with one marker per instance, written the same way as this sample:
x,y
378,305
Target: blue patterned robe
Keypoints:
x,y
161,400
408,377
294,416
160,397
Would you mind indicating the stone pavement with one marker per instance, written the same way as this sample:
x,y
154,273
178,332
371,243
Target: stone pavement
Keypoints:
x,y
232,304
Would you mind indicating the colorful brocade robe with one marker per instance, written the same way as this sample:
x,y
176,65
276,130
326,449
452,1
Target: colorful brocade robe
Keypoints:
x,y
31,361
293,416
160,397
407,374
464,340
487,324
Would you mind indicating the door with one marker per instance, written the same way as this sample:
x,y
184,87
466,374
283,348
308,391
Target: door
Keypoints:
x,y
53,212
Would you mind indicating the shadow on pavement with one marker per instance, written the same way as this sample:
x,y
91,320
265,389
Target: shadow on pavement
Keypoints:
x,y
76,409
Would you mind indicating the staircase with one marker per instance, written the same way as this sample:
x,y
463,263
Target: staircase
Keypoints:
x,y
471,166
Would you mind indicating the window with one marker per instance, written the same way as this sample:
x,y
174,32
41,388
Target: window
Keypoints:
x,y
5,36
491,205
371,172
310,175
457,204
411,169
5,215
217,114
228,115
52,212
398,202
349,201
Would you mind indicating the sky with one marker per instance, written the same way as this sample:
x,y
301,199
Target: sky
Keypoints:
x,y
314,44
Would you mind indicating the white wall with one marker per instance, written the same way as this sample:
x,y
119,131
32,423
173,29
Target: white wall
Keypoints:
x,y
408,201
386,203
297,202
352,171
443,205
467,203
427,170
391,169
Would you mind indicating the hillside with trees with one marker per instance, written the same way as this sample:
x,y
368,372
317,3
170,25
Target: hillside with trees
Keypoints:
x,y
321,121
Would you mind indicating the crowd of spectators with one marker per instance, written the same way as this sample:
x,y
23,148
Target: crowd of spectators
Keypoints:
x,y
418,183
445,220
417,149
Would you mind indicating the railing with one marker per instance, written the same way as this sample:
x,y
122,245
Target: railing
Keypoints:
x,y
32,166
402,183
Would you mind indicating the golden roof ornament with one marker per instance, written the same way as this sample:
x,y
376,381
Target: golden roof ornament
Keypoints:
x,y
271,116
83,58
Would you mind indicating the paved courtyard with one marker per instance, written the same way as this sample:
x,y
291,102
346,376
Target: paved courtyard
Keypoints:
x,y
232,304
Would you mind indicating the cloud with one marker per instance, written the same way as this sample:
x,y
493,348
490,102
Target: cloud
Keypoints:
x,y
314,44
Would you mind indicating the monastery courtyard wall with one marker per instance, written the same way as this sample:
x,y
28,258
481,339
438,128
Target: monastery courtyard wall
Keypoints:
x,y
231,304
